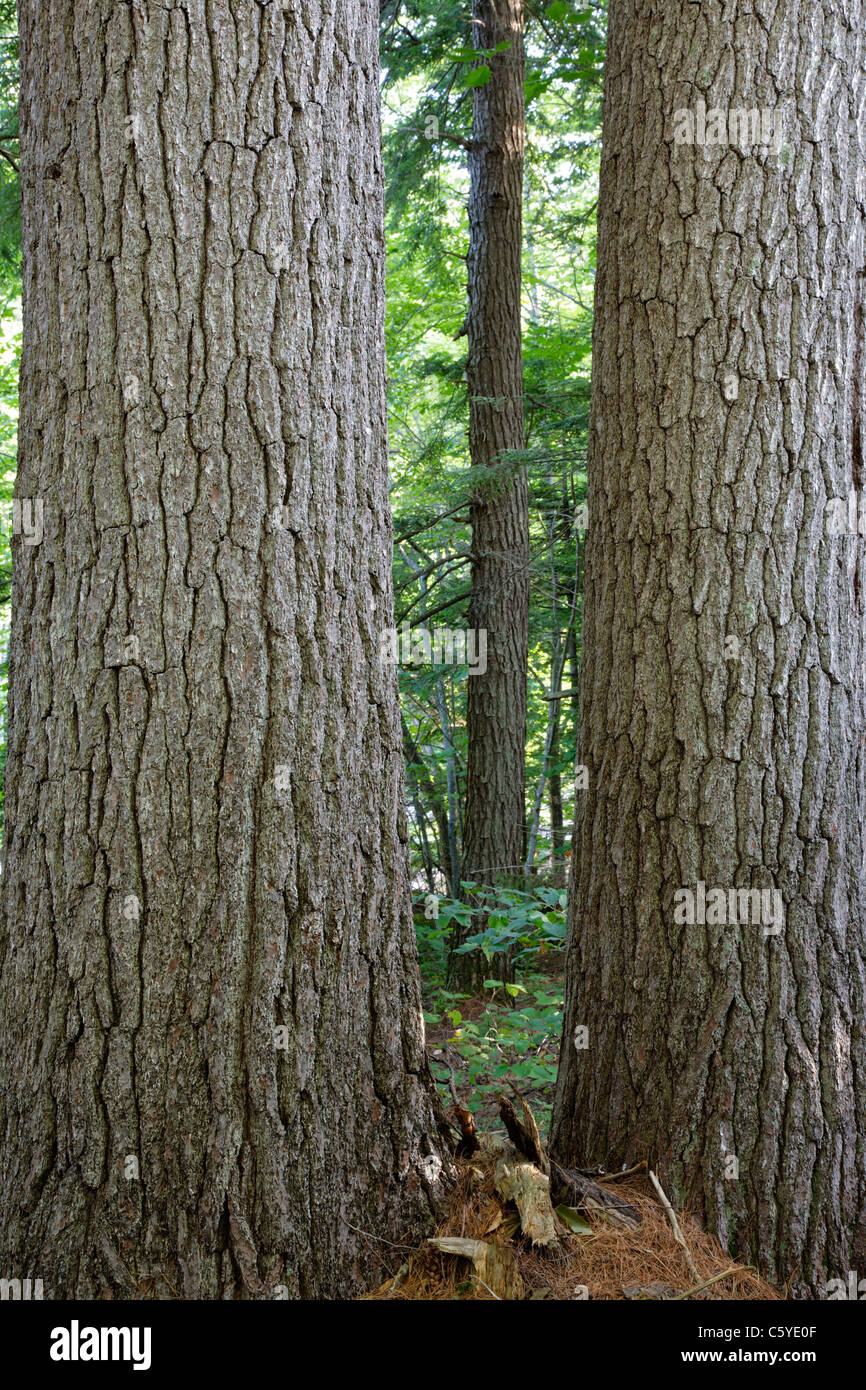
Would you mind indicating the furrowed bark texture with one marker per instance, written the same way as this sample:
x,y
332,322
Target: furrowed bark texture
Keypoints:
x,y
206,837
727,411
493,836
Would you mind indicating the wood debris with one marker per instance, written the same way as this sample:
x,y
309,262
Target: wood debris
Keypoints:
x,y
574,1189
495,1265
519,1181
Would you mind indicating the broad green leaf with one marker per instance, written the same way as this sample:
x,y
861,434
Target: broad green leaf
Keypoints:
x,y
479,77
574,1221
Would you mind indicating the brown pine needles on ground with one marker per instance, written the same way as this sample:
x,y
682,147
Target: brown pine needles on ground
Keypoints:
x,y
606,1262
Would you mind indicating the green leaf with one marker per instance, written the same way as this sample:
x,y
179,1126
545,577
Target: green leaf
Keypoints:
x,y
574,1221
558,10
535,85
479,77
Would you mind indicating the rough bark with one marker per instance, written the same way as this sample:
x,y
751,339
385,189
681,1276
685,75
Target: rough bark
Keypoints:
x,y
494,834
727,401
206,834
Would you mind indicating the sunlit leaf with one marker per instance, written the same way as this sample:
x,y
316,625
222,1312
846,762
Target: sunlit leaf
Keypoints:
x,y
479,77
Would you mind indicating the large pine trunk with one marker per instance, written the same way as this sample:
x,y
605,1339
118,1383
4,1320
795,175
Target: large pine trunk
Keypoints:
x,y
722,688
494,835
214,1081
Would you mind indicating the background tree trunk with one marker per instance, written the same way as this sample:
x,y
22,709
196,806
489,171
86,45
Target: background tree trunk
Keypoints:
x,y
494,836
557,825
206,834
727,411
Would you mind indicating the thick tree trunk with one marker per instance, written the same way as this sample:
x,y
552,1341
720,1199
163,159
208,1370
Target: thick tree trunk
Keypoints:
x,y
213,1072
722,702
494,836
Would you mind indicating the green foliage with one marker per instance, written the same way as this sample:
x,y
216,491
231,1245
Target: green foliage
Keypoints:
x,y
515,1037
430,67
523,922
576,1223
529,923
478,77
10,188
506,1042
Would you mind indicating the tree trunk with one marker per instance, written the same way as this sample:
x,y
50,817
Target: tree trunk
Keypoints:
x,y
722,714
557,672
213,1072
424,782
557,824
554,706
493,836
568,510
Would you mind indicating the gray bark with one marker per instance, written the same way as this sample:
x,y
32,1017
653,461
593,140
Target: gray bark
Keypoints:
x,y
727,411
206,834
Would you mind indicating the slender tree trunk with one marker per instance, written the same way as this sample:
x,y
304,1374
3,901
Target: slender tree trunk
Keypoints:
x,y
447,739
560,649
573,676
421,823
722,709
451,784
424,781
557,823
213,1072
493,837
557,667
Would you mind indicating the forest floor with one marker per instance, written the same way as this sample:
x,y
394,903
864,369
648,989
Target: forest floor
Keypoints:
x,y
607,1262
495,1039
485,1046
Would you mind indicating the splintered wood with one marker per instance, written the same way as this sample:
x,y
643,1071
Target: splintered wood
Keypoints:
x,y
519,1181
521,1173
495,1265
